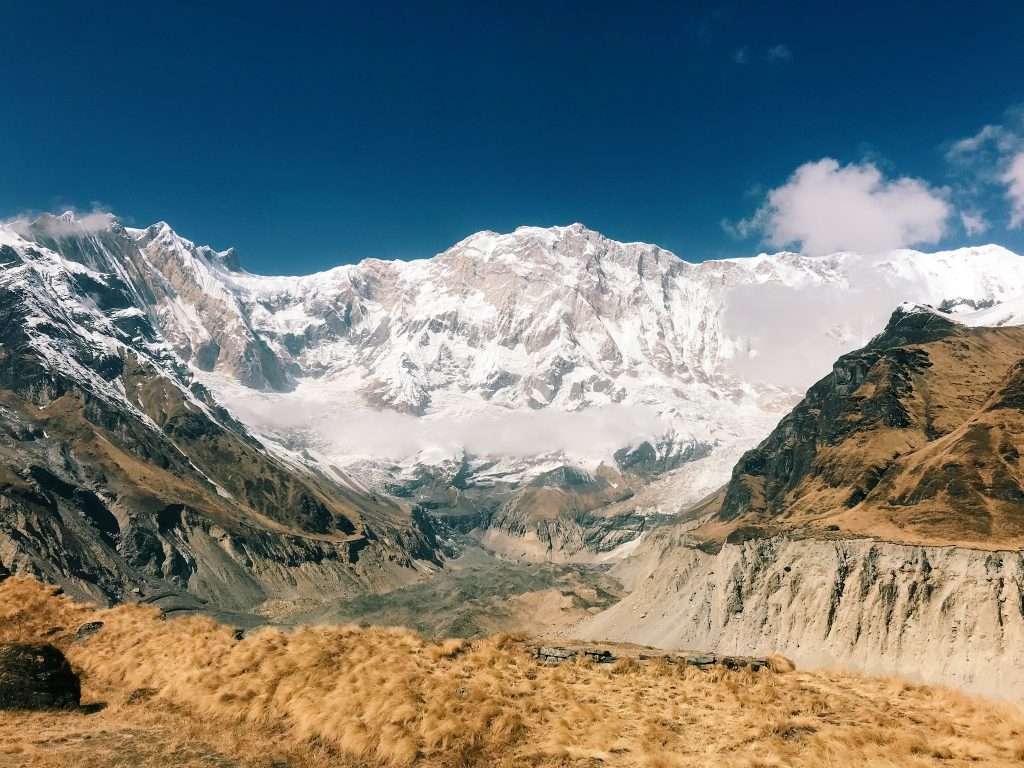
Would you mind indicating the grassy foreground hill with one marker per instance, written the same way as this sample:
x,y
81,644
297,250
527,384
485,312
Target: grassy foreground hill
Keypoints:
x,y
189,692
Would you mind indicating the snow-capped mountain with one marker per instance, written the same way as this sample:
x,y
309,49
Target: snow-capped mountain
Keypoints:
x,y
510,355
120,473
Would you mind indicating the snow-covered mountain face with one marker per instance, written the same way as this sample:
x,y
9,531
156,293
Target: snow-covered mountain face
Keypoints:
x,y
119,473
510,355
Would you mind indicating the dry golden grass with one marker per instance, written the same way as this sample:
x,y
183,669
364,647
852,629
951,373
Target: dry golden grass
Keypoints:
x,y
345,696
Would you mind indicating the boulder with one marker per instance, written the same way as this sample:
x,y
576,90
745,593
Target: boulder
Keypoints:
x,y
36,676
553,655
556,654
88,629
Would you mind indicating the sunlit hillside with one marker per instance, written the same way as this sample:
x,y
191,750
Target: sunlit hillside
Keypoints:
x,y
189,692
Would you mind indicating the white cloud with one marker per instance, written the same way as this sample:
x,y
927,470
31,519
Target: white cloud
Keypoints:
x,y
825,207
776,343
62,225
342,430
995,136
995,139
974,222
741,55
990,162
1014,180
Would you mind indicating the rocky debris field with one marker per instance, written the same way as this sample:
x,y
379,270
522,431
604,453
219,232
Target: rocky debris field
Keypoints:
x,y
554,654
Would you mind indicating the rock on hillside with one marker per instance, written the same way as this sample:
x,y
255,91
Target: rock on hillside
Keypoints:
x,y
36,676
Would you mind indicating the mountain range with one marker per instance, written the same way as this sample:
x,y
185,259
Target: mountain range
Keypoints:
x,y
173,422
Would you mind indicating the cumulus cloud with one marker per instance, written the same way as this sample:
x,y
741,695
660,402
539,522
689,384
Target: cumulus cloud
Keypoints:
x,y
1014,180
61,225
779,53
826,207
974,222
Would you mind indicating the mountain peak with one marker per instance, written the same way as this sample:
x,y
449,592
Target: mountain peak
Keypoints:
x,y
163,233
561,231
914,323
563,245
159,228
227,258
68,224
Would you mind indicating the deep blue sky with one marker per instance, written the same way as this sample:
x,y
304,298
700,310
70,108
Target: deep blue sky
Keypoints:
x,y
309,135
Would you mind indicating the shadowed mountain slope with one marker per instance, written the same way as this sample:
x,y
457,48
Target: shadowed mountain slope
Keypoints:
x,y
120,474
915,438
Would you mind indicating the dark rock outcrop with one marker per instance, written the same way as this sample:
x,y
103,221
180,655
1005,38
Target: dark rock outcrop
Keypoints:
x,y
36,676
552,655
88,629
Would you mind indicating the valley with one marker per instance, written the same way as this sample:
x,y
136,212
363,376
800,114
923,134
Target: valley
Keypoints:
x,y
478,595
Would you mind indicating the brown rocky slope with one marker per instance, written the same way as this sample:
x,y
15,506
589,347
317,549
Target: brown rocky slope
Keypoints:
x,y
914,438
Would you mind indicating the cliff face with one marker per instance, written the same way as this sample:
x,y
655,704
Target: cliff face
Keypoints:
x,y
944,615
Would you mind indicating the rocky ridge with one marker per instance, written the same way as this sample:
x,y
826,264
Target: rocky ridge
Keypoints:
x,y
915,437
